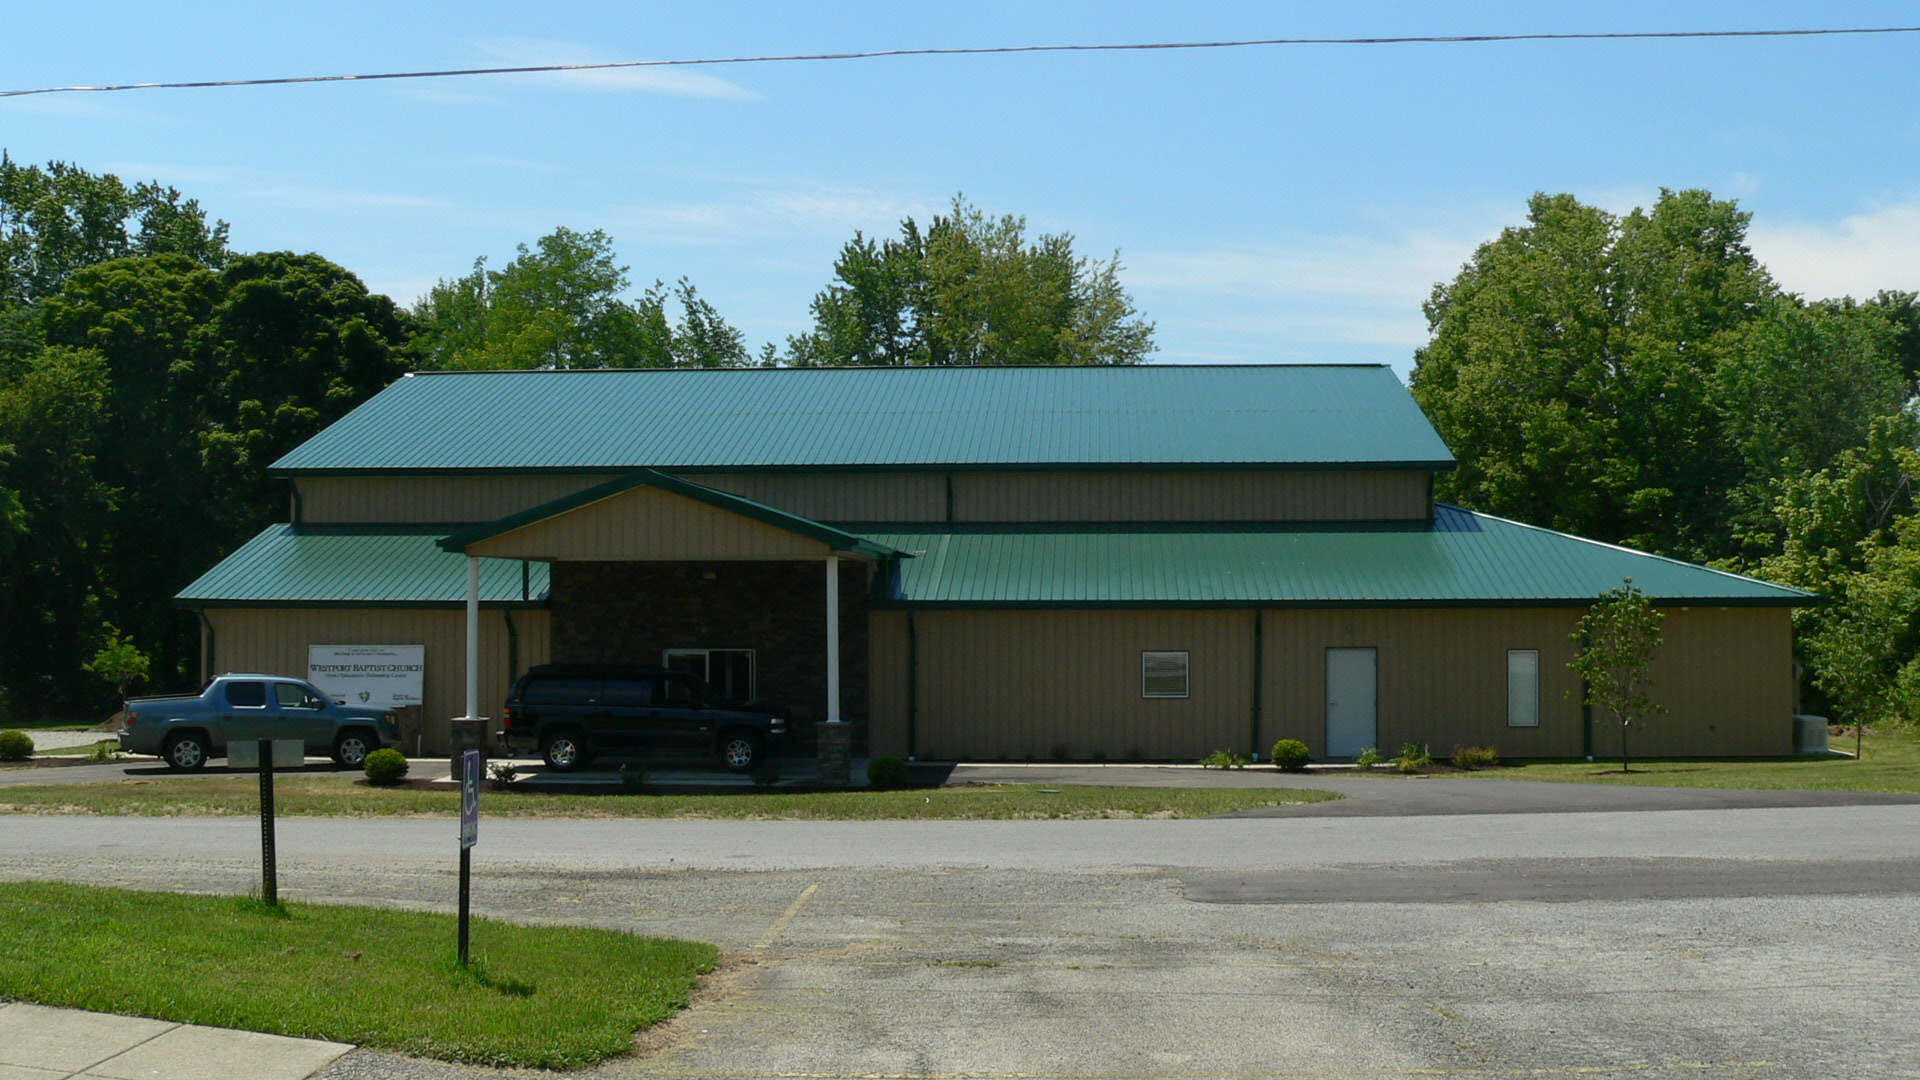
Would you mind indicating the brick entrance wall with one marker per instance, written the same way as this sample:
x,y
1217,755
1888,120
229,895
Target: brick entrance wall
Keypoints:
x,y
627,612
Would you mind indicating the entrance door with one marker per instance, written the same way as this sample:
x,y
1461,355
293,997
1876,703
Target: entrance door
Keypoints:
x,y
1352,722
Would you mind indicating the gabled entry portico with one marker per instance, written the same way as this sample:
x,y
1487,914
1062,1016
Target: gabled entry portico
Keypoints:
x,y
650,564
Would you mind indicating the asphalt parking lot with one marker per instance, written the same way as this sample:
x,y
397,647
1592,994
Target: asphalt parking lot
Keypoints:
x,y
1752,943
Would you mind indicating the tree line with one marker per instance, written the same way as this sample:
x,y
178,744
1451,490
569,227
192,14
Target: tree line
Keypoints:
x,y
1639,379
149,374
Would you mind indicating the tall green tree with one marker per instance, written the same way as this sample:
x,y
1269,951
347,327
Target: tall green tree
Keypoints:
x,y
52,579
560,304
971,289
61,218
1572,369
203,378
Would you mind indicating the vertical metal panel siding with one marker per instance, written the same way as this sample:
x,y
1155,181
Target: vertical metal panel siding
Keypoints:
x,y
275,640
840,496
1443,676
430,500
648,523
887,689
908,497
1190,496
1013,683
1725,676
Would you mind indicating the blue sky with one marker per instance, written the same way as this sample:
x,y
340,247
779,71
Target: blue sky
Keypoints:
x,y
1273,204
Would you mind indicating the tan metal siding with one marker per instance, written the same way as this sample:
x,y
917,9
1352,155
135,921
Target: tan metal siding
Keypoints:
x,y
887,705
1726,678
840,496
1190,496
651,524
1008,684
275,641
430,500
1442,677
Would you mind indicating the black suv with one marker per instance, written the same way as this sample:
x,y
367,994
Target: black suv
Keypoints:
x,y
573,713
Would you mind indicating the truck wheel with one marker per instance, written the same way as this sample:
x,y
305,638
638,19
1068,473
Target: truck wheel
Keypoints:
x,y
566,750
740,750
352,748
185,752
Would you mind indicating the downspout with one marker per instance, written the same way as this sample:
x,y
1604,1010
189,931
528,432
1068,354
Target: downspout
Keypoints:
x,y
1586,708
913,686
206,644
297,508
1257,630
513,646
949,498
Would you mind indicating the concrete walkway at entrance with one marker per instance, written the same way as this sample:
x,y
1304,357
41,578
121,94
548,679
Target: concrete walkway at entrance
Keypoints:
x,y
39,1043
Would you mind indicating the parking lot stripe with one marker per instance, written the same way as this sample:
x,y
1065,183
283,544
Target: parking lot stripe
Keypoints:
x,y
780,924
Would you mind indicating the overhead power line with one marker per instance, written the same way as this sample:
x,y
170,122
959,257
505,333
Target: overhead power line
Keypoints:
x,y
1459,39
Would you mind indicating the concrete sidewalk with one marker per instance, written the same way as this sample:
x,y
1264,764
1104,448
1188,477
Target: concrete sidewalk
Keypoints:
x,y
39,1043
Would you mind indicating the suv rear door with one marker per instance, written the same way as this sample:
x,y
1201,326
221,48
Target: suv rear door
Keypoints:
x,y
561,702
625,718
684,721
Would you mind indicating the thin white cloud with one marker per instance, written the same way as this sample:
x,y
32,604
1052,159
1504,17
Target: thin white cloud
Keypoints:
x,y
836,211
1333,289
1855,256
679,82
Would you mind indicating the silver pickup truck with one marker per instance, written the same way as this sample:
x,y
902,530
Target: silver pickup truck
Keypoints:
x,y
187,729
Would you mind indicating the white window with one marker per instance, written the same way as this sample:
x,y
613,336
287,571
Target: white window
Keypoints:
x,y
1523,687
728,671
1163,674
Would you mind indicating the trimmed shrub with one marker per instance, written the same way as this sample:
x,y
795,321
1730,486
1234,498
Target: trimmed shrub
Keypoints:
x,y
1413,757
766,775
1223,759
633,777
503,775
1476,757
1368,759
1291,755
15,745
886,772
386,766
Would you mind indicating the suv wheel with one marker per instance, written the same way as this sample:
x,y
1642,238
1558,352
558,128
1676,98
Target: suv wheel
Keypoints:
x,y
185,752
566,750
740,750
352,748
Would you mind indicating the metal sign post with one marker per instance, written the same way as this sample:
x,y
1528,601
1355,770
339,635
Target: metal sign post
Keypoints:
x,y
269,872
469,835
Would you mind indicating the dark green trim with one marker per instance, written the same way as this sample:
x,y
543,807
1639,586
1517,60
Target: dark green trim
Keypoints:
x,y
1314,605
835,539
1032,528
921,467
913,686
199,604
1259,662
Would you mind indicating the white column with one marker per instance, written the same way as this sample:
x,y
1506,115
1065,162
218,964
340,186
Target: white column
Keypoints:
x,y
833,639
473,637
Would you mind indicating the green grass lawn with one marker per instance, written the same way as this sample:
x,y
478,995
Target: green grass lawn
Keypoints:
x,y
1891,763
340,796
536,996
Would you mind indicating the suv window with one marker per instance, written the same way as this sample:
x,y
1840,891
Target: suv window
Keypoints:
x,y
247,695
626,692
560,691
679,691
294,696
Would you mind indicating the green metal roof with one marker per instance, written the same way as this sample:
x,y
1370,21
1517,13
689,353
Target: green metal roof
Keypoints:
x,y
724,500
1149,416
1464,559
358,566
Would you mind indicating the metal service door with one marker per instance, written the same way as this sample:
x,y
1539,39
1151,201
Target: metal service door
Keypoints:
x,y
1352,686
